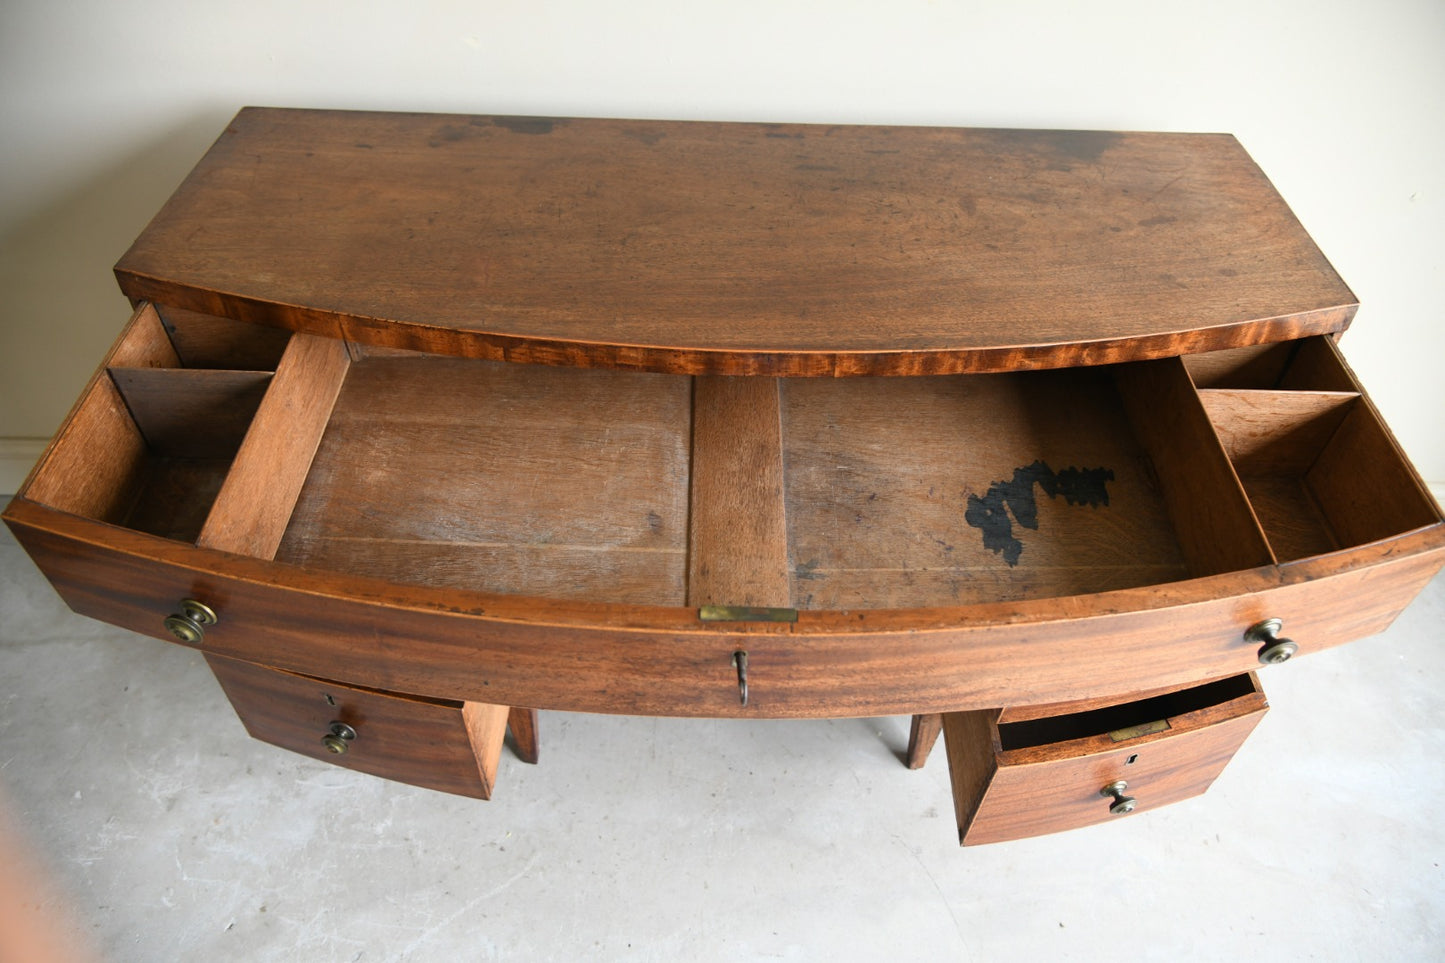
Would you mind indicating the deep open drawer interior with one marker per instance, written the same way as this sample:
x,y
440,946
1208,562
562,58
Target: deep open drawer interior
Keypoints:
x,y
1078,733
603,485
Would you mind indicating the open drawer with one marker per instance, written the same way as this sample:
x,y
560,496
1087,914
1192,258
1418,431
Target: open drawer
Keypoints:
x,y
610,541
1014,777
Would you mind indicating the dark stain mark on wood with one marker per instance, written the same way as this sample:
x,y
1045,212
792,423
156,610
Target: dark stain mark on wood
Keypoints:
x,y
990,514
808,569
1063,149
650,138
449,133
525,125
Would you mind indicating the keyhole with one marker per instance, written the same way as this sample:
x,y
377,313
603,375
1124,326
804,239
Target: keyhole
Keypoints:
x,y
1130,760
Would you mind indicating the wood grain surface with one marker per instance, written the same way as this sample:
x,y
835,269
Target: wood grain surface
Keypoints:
x,y
970,741
254,505
425,742
504,478
206,341
96,462
737,248
1002,795
923,731
420,465
895,484
1275,432
656,660
186,413
1211,513
524,729
738,542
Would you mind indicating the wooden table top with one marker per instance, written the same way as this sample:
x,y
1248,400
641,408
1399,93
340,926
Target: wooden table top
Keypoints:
x,y
737,248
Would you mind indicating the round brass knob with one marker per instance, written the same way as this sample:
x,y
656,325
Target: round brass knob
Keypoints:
x,y
189,624
338,738
1122,804
1273,648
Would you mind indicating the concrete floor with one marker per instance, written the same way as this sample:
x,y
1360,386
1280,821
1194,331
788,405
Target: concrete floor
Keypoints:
x,y
170,835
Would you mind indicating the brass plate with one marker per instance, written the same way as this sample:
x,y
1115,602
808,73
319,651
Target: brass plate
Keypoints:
x,y
745,613
1143,729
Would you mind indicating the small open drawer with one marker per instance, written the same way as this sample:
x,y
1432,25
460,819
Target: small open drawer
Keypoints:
x,y
434,743
1015,775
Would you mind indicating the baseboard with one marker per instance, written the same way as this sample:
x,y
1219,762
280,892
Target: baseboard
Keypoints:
x,y
17,457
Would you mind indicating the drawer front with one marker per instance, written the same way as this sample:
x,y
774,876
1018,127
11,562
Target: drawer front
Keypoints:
x,y
663,662
1003,794
449,746
126,529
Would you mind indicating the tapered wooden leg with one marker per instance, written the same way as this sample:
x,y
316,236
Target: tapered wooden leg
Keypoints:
x,y
523,723
921,737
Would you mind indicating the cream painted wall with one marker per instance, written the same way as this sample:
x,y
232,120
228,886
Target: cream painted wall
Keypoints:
x,y
107,105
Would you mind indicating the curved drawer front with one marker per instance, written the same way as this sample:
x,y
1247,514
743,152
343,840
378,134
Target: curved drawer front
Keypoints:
x,y
548,538
449,746
509,651
1050,774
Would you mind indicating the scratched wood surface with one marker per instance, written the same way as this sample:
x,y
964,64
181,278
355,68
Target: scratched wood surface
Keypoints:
x,y
502,478
892,485
737,248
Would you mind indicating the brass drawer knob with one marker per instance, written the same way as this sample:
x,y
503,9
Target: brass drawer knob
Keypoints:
x,y
1122,804
1273,648
338,738
189,624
